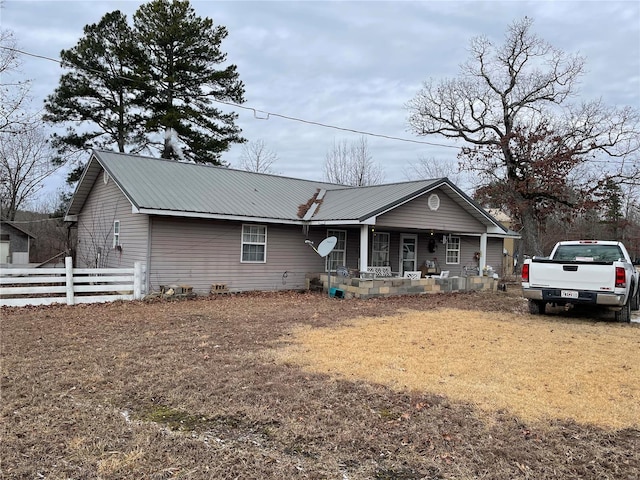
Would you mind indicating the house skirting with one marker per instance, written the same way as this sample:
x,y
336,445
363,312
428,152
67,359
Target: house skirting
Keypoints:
x,y
386,287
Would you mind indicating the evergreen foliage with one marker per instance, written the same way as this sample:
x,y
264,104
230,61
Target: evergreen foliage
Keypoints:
x,y
148,87
101,92
181,51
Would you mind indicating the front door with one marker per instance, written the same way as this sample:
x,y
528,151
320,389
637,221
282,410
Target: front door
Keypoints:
x,y
408,253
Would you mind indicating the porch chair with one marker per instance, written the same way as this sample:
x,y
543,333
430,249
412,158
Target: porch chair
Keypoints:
x,y
444,274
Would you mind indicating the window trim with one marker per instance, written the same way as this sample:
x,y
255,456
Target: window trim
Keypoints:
x,y
456,250
327,263
243,243
373,250
116,233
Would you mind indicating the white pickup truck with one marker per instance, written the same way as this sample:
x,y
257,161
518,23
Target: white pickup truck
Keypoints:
x,y
592,272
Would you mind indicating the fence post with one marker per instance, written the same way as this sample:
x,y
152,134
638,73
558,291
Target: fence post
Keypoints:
x,y
137,280
68,270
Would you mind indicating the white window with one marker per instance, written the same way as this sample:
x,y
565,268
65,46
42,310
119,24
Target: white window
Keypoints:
x,y
254,243
116,233
338,255
380,250
453,250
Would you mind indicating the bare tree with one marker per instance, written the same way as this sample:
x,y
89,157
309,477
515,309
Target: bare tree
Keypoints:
x,y
96,230
14,92
25,162
352,164
525,141
429,167
53,239
257,157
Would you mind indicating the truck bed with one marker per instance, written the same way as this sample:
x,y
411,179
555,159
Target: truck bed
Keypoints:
x,y
573,275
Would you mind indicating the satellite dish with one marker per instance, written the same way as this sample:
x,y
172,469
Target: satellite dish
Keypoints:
x,y
326,246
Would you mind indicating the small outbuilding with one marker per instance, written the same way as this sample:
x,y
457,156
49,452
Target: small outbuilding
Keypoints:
x,y
15,244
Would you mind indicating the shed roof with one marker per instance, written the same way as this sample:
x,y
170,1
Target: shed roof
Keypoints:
x,y
18,227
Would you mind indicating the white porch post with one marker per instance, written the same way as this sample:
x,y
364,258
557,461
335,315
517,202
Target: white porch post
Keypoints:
x,y
137,280
364,247
483,253
68,270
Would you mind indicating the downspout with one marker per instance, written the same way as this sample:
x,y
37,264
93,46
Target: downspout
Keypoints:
x,y
147,275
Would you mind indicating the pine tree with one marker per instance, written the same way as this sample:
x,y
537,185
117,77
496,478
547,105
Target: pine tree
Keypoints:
x,y
182,82
101,91
150,86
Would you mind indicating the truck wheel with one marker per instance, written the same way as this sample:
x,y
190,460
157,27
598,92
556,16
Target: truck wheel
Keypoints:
x,y
624,314
635,300
536,307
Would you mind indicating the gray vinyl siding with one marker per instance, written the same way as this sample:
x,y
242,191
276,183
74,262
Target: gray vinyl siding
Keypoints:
x,y
417,214
105,204
469,245
18,241
495,256
200,253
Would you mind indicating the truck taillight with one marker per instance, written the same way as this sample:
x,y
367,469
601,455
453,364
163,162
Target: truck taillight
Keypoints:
x,y
525,273
621,278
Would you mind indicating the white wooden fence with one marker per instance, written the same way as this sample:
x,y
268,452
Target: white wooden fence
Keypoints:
x,y
44,286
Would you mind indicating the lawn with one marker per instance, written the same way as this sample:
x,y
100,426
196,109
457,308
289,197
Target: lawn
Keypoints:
x,y
297,385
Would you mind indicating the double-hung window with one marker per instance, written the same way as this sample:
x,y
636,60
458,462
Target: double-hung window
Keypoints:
x,y
453,250
254,243
380,250
116,233
338,255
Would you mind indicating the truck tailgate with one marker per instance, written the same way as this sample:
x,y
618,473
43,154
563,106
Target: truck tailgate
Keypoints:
x,y
593,276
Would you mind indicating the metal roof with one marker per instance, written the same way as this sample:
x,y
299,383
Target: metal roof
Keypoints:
x,y
166,187
17,227
363,202
174,187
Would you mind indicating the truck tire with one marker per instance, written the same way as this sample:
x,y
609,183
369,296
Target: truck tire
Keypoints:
x,y
537,307
635,300
624,314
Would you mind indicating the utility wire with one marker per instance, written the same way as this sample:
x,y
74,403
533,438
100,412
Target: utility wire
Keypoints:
x,y
267,114
255,111
39,220
325,125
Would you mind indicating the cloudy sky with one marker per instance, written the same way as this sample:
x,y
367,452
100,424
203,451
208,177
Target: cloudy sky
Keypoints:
x,y
353,65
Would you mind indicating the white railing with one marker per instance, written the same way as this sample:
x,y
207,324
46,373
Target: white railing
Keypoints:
x,y
44,286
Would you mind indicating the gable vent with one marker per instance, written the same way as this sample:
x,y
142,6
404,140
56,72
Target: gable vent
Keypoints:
x,y
434,202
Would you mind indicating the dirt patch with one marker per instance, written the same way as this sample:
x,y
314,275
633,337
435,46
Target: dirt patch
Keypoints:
x,y
537,370
191,389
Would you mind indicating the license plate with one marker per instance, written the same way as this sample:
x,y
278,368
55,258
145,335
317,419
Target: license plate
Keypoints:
x,y
568,294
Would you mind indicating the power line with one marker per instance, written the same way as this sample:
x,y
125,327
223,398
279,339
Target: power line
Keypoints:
x,y
268,114
325,125
255,111
39,220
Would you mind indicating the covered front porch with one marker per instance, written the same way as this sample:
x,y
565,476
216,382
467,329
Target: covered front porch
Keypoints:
x,y
433,239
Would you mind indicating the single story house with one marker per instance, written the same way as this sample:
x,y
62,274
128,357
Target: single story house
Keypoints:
x,y
15,244
202,225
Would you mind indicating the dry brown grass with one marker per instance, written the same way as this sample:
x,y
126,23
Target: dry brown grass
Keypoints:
x,y
537,370
191,390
